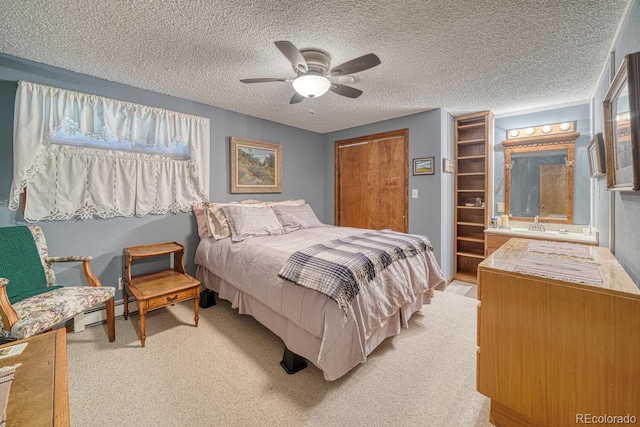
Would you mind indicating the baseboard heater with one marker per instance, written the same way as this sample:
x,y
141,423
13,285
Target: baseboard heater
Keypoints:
x,y
99,315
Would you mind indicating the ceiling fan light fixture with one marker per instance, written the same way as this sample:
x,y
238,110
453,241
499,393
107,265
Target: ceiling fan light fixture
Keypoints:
x,y
311,84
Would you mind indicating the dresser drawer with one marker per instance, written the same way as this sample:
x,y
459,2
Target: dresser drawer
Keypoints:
x,y
172,298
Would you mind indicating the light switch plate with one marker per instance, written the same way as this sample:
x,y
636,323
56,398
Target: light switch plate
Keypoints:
x,y
414,193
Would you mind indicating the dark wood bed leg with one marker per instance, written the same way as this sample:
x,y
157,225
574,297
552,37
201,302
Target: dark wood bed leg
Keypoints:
x,y
292,362
207,298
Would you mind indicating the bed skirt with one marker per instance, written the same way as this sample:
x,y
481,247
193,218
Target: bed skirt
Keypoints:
x,y
334,362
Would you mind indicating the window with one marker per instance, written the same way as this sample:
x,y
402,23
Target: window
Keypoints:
x,y
85,156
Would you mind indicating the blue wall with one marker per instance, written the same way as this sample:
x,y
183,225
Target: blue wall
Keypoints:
x,y
308,168
303,171
626,206
601,197
307,173
581,186
429,132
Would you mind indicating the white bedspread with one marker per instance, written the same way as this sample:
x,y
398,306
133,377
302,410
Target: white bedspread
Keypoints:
x,y
252,267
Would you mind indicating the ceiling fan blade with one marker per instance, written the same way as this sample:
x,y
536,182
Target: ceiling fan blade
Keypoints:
x,y
343,90
356,65
293,55
296,98
265,80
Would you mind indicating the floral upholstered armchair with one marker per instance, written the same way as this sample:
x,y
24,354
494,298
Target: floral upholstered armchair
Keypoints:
x,y
31,302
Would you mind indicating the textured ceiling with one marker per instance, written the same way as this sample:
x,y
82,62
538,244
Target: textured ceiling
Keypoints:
x,y
463,56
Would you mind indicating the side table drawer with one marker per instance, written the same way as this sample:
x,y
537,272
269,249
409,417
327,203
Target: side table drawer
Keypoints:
x,y
172,298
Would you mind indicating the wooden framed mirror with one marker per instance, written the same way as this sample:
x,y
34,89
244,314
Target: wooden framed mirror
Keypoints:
x,y
539,178
622,126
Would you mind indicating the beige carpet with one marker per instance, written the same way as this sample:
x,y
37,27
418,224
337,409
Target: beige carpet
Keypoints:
x,y
463,288
226,372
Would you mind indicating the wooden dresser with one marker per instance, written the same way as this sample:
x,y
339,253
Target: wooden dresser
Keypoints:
x,y
39,393
494,239
552,351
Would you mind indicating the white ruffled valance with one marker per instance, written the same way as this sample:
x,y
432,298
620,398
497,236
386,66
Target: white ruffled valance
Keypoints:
x,y
83,156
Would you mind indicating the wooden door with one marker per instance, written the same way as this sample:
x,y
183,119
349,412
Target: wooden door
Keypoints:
x,y
553,191
353,176
372,181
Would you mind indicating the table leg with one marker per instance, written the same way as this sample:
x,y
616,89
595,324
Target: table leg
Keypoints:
x,y
125,300
142,309
196,305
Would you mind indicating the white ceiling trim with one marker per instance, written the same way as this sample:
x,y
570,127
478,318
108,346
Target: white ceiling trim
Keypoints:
x,y
545,108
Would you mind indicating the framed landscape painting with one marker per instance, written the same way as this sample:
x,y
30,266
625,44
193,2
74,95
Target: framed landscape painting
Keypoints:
x,y
423,166
256,166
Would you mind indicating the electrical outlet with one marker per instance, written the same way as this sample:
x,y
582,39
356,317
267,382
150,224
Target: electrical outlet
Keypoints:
x,y
120,283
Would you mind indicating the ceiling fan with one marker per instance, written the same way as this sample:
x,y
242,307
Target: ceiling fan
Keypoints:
x,y
312,72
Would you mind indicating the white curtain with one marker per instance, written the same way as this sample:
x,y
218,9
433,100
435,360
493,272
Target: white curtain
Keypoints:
x,y
84,156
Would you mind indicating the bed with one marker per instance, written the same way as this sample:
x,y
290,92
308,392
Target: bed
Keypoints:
x,y
312,325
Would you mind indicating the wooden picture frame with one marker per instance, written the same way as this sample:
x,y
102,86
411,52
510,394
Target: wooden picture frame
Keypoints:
x,y
595,156
622,126
255,166
448,166
424,166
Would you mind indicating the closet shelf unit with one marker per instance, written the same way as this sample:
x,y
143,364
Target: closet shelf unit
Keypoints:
x,y
473,155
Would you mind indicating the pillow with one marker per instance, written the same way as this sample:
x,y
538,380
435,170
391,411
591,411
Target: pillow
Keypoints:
x,y
217,221
295,218
245,223
249,201
201,219
289,202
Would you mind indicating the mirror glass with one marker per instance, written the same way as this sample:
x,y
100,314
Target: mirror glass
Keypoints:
x,y
539,178
539,185
622,135
621,107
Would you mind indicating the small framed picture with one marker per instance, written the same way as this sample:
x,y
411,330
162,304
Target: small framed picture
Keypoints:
x,y
595,151
448,165
423,166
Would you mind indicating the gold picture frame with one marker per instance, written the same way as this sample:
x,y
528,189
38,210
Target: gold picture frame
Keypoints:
x,y
255,166
622,126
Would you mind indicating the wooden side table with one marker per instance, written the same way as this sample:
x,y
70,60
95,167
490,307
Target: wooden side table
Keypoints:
x,y
156,290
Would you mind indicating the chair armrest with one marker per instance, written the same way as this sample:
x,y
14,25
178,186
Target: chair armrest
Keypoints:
x,y
86,266
79,258
9,315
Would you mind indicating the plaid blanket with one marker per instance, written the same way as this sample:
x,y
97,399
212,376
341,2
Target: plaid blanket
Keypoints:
x,y
339,268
